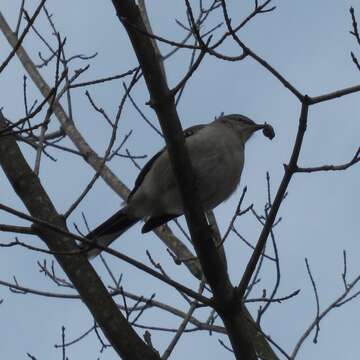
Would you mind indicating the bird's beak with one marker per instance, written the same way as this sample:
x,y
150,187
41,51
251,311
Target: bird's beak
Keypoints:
x,y
267,129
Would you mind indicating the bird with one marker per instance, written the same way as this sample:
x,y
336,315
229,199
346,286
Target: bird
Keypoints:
x,y
216,153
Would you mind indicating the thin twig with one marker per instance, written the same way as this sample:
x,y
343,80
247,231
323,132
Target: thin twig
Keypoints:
x,y
22,37
105,79
316,298
236,214
182,326
19,17
274,300
341,300
353,161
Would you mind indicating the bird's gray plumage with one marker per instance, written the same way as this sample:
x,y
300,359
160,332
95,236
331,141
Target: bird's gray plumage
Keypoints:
x,y
216,151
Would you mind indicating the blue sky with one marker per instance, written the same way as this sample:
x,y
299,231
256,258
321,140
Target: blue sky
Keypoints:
x,y
309,43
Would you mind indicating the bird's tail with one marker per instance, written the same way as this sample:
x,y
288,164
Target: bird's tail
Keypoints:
x,y
110,230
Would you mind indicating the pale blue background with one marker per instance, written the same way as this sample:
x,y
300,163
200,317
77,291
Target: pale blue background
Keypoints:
x,y
309,43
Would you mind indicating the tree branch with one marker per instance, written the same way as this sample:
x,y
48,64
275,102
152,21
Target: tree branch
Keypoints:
x,y
289,171
89,155
22,37
92,291
162,101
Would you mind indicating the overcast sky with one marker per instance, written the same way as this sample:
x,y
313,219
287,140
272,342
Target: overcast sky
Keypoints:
x,y
309,43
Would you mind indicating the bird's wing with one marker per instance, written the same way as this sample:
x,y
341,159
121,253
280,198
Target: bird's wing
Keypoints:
x,y
187,132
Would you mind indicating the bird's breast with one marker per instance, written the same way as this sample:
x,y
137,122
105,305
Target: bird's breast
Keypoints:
x,y
218,173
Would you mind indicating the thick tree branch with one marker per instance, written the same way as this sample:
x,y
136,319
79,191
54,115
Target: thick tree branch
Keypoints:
x,y
162,101
92,291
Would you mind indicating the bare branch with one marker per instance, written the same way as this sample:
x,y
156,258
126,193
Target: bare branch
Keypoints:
x,y
17,229
276,300
355,30
77,268
106,79
257,58
317,301
22,37
139,265
289,171
163,103
333,95
341,300
345,166
19,17
182,326
164,233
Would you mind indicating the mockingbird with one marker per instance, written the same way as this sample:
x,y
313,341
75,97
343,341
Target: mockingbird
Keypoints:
x,y
216,151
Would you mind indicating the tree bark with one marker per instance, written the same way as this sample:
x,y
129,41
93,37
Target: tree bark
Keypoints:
x,y
27,185
242,330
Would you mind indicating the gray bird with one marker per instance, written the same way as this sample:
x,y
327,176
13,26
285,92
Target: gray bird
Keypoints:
x,y
216,151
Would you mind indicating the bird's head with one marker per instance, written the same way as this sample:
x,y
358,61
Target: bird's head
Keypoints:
x,y
245,127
